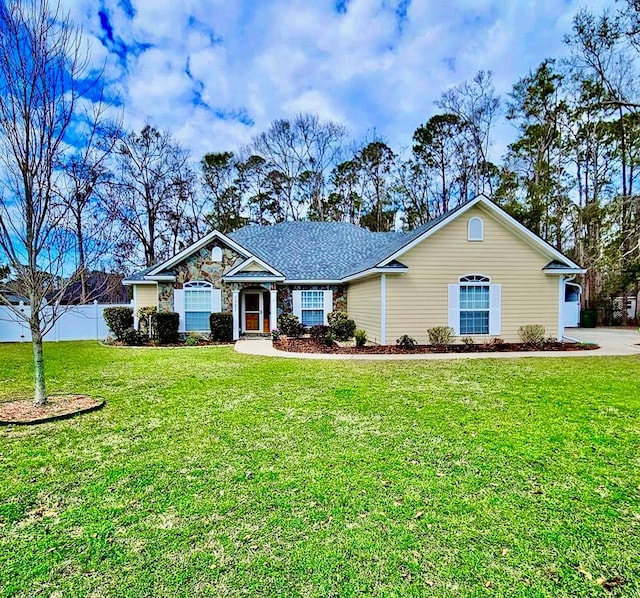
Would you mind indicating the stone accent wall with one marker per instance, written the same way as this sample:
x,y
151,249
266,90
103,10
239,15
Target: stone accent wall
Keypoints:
x,y
200,266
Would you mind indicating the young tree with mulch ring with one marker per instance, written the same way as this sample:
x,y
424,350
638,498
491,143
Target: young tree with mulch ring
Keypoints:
x,y
47,110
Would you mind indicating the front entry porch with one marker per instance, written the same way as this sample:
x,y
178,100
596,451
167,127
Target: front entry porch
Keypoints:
x,y
254,311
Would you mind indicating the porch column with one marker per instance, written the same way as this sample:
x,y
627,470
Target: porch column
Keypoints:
x,y
236,313
560,307
383,309
273,309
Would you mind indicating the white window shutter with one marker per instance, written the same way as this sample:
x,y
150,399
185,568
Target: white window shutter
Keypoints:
x,y
495,309
178,307
216,301
328,305
454,308
297,304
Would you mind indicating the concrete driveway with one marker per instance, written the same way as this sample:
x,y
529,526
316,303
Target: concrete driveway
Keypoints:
x,y
612,340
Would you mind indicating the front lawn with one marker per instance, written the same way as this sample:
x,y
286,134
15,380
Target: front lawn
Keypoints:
x,y
212,473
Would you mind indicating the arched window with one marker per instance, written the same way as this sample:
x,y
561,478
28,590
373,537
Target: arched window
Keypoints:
x,y
197,305
475,229
216,254
474,278
474,305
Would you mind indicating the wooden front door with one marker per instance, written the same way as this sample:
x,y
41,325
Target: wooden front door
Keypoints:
x,y
253,311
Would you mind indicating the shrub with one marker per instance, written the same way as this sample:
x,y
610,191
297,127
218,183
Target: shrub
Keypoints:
x,y
275,334
406,342
193,338
341,325
146,320
361,338
166,327
532,334
440,335
290,325
221,327
467,341
319,333
134,338
118,320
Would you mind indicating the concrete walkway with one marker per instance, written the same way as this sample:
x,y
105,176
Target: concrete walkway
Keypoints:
x,y
612,341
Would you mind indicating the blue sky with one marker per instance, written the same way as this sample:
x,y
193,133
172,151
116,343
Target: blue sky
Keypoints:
x,y
216,72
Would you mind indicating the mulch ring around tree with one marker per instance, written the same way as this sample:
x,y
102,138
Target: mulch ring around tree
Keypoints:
x,y
307,345
57,407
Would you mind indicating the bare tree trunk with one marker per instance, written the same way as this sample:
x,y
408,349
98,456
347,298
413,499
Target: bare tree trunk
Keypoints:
x,y
40,396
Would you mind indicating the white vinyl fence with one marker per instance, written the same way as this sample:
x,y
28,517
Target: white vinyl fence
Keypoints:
x,y
76,323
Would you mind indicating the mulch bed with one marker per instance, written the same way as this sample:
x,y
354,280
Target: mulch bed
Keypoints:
x,y
306,345
57,407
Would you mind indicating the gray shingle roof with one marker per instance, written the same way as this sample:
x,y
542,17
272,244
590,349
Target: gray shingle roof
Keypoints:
x,y
555,265
139,275
317,250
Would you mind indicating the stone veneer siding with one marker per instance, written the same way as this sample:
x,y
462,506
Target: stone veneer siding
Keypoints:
x,y
200,266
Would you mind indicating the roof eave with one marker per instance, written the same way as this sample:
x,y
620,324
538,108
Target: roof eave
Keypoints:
x,y
128,282
185,253
237,278
564,270
373,272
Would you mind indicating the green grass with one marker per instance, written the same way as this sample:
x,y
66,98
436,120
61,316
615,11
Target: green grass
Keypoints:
x,y
212,473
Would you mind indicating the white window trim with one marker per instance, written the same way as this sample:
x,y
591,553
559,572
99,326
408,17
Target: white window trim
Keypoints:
x,y
495,304
470,235
180,302
327,303
216,254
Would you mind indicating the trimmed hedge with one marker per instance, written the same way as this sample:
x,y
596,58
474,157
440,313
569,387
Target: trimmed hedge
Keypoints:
x,y
166,327
118,319
134,338
221,325
342,327
290,325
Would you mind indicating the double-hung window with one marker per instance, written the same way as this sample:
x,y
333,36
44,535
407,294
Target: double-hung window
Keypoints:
x,y
474,306
197,306
312,306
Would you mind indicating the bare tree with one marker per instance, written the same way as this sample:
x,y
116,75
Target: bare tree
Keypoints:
x,y
152,183
478,107
82,192
45,85
300,154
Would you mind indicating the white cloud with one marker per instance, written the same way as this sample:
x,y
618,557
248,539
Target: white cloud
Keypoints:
x,y
273,58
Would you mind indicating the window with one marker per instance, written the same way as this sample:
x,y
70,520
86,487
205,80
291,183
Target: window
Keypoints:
x,y
474,309
216,254
475,306
197,306
312,306
475,229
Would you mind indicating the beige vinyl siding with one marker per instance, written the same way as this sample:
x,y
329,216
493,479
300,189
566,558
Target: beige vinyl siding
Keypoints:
x,y
253,267
364,306
419,299
146,295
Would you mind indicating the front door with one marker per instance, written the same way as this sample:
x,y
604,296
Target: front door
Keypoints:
x,y
252,311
